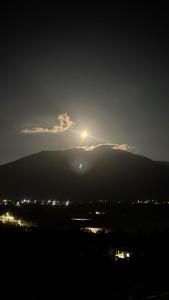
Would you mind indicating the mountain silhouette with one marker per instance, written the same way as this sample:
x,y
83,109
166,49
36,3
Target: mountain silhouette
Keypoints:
x,y
80,175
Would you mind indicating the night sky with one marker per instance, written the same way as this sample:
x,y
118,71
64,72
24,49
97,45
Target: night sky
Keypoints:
x,y
106,66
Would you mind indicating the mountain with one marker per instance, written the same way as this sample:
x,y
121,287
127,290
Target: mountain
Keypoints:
x,y
76,174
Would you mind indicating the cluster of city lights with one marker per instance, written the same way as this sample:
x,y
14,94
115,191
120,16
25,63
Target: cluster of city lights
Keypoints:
x,y
7,218
121,254
95,230
24,202
66,203
151,201
99,212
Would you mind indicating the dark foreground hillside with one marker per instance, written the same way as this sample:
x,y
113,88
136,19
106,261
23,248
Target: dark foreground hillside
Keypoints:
x,y
53,261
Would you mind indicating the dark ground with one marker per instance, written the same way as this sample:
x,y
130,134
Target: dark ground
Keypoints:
x,y
56,260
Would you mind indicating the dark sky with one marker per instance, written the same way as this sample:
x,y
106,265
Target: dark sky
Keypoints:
x,y
107,66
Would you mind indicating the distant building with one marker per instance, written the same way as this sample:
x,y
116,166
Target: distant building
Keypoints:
x,y
95,230
122,254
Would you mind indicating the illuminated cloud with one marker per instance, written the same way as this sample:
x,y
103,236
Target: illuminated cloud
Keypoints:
x,y
124,147
65,123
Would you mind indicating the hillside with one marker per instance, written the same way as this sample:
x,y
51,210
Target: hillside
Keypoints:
x,y
85,175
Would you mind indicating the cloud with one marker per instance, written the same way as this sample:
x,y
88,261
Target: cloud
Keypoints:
x,y
124,147
65,123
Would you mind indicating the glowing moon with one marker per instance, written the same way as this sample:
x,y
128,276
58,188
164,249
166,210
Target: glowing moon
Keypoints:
x,y
84,134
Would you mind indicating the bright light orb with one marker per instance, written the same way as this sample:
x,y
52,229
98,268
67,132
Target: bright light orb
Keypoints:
x,y
84,134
